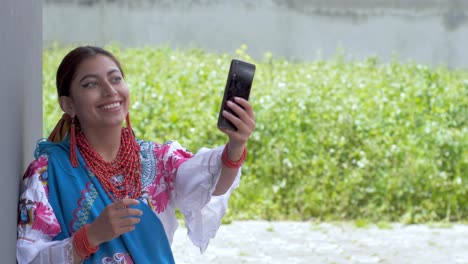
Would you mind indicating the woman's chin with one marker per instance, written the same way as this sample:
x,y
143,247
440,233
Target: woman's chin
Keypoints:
x,y
112,123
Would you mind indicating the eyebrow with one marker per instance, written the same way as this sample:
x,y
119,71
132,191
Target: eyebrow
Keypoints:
x,y
95,76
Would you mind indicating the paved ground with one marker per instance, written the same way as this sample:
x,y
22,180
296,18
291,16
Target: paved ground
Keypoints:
x,y
299,242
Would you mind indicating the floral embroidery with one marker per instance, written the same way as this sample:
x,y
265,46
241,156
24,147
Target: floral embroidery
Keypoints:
x,y
159,190
173,163
39,217
44,178
158,197
169,173
45,221
25,215
180,156
148,163
82,212
118,258
37,166
161,150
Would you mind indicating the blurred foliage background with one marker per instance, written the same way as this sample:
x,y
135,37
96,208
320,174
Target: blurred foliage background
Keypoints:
x,y
335,140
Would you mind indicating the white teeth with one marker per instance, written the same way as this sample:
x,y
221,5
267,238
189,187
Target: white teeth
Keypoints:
x,y
111,105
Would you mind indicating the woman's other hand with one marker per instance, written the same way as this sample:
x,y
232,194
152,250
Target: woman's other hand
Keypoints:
x,y
115,220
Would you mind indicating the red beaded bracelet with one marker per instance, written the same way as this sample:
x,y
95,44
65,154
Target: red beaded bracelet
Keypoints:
x,y
232,164
81,243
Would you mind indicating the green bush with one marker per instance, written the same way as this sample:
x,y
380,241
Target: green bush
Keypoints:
x,y
335,139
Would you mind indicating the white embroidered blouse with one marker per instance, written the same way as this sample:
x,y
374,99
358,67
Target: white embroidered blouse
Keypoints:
x,y
171,177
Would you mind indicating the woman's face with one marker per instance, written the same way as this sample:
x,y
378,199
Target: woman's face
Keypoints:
x,y
99,96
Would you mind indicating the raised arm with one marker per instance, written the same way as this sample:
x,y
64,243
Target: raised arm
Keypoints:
x,y
236,147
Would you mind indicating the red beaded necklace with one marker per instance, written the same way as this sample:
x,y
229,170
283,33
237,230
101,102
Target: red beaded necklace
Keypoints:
x,y
127,163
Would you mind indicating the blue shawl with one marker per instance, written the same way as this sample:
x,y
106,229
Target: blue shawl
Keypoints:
x,y
78,198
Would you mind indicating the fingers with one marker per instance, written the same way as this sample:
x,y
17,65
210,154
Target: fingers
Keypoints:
x,y
126,229
122,223
227,131
242,108
116,219
121,226
246,105
245,122
125,212
127,202
129,221
242,120
237,122
121,208
124,219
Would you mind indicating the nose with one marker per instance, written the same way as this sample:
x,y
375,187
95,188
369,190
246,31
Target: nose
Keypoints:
x,y
108,89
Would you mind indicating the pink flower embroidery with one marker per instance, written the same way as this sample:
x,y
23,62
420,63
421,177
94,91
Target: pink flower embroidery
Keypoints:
x,y
159,196
180,156
46,189
159,191
170,170
159,170
159,153
37,166
118,258
161,150
45,221
44,178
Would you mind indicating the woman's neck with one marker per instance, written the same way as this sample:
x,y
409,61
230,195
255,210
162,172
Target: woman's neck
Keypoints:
x,y
105,141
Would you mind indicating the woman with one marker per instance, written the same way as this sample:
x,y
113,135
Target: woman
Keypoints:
x,y
96,194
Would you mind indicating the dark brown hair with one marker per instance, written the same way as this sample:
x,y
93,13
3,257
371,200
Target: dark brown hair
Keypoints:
x,y
66,70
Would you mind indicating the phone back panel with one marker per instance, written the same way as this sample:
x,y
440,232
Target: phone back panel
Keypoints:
x,y
238,84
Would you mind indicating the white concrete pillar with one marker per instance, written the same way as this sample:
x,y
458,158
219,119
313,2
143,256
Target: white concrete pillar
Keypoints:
x,y
20,107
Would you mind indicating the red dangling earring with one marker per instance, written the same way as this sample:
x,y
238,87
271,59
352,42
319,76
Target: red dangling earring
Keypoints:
x,y
73,158
129,127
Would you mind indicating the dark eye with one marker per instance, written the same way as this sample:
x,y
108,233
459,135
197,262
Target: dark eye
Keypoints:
x,y
90,84
116,79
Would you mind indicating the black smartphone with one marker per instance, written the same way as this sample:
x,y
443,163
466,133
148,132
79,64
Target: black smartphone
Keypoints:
x,y
238,84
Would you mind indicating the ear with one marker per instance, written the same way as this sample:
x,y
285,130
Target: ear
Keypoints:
x,y
66,103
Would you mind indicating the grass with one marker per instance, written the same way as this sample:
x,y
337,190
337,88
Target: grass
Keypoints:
x,y
335,140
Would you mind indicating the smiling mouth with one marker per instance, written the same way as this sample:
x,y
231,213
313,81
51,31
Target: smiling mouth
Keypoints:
x,y
111,106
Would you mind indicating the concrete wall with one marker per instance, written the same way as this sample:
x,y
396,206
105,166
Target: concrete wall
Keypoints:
x,y
428,31
20,106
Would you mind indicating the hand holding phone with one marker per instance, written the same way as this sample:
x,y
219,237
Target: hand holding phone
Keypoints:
x,y
238,84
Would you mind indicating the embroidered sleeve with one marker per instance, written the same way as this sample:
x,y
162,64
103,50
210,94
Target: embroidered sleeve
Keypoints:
x,y
195,181
37,224
167,160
